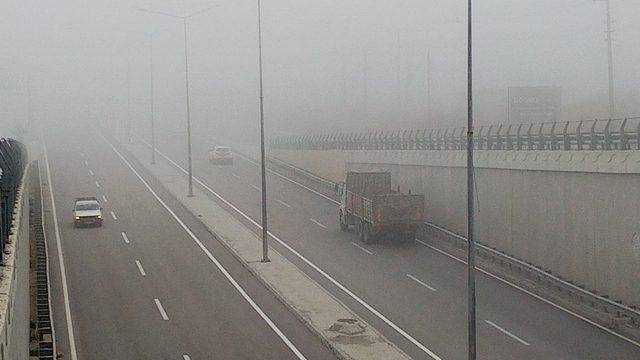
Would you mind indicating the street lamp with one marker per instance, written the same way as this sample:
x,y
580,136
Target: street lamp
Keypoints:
x,y
609,31
186,71
265,231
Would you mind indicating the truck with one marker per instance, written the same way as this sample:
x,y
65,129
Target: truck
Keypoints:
x,y
87,211
369,204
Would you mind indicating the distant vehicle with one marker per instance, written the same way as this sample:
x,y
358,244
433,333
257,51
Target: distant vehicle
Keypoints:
x,y
376,210
87,211
221,155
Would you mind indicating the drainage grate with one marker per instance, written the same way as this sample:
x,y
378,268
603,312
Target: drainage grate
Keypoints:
x,y
42,334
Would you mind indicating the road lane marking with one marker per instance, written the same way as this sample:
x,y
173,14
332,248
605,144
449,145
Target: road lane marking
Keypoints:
x,y
113,215
161,309
546,301
91,173
315,267
63,272
318,223
511,335
86,163
97,184
213,259
124,236
104,198
367,306
186,357
361,248
142,272
255,187
290,180
421,282
283,203
235,176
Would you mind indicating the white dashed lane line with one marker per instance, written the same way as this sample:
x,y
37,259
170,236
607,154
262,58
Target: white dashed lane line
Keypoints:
x,y
161,310
318,223
504,331
104,198
139,265
91,172
421,282
97,184
361,248
125,237
283,203
113,215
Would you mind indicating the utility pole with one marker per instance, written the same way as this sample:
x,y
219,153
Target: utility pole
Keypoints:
x,y
471,261
608,32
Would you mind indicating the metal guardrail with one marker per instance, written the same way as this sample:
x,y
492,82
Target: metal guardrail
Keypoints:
x,y
13,161
608,134
531,271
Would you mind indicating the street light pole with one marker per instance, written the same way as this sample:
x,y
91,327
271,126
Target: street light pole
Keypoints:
x,y
265,231
471,261
609,31
153,129
186,72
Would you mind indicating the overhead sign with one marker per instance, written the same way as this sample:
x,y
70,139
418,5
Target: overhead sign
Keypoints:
x,y
529,104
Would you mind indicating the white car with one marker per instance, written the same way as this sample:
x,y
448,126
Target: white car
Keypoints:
x,y
221,155
87,211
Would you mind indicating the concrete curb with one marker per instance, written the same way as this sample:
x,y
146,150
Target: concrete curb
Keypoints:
x,y
313,305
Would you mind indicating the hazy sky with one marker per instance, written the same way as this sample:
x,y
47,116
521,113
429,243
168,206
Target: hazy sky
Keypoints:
x,y
329,65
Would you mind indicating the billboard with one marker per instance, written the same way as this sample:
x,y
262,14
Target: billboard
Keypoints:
x,y
527,104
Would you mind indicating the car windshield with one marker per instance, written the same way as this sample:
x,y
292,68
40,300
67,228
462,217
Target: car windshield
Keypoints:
x,y
88,206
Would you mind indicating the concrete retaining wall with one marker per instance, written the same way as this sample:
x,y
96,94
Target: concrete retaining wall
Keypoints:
x,y
14,284
576,214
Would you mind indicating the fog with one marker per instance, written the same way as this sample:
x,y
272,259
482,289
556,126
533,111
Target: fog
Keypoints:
x,y
328,65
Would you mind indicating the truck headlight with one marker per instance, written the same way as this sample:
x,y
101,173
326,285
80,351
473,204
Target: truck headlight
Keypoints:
x,y
99,216
77,217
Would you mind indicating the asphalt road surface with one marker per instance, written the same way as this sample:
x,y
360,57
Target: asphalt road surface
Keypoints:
x,y
414,295
140,287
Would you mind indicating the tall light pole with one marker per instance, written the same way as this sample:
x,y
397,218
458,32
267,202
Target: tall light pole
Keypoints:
x,y
471,260
153,125
186,82
608,32
265,231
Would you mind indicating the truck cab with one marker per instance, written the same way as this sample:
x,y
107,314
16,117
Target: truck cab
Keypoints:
x,y
87,212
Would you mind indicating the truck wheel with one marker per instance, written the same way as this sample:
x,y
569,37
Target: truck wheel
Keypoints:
x,y
343,224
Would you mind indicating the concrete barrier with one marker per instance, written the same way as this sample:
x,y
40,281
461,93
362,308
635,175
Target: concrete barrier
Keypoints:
x,y
14,282
575,214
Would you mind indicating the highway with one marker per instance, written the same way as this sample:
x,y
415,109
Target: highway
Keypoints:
x,y
141,287
415,295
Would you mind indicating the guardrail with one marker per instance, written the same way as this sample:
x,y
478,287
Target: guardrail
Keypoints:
x,y
13,161
621,312
608,134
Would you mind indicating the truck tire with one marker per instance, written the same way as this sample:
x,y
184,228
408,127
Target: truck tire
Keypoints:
x,y
343,222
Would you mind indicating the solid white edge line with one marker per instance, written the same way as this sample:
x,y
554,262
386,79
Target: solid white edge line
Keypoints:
x,y
361,248
286,178
421,282
125,237
161,310
283,203
142,272
318,223
113,215
104,198
511,335
517,287
208,253
63,272
339,285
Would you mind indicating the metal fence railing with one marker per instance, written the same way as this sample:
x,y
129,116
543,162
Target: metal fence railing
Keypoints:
x,y
13,160
608,134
